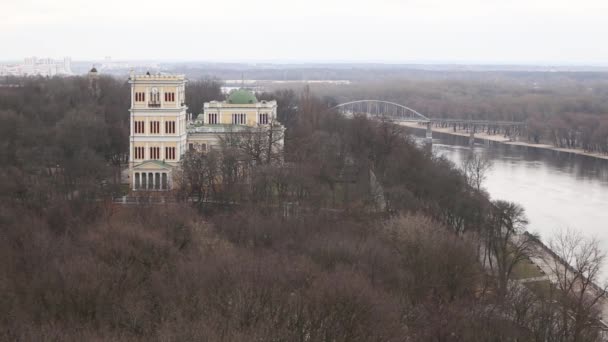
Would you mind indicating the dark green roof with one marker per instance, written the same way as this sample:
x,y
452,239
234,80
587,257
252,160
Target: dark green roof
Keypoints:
x,y
242,96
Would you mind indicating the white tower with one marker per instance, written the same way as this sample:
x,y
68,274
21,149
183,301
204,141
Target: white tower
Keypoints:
x,y
158,129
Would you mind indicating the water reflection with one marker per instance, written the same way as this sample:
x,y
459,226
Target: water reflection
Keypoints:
x,y
558,190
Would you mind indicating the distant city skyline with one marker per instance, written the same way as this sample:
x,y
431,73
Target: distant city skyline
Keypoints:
x,y
530,32
96,61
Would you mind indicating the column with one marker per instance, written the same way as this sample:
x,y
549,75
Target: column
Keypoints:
x,y
131,134
150,181
132,92
136,181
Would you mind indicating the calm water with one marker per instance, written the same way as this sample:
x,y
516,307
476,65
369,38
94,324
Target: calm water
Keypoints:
x,y
558,190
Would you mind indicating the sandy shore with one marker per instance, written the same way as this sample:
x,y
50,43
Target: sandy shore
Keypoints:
x,y
501,139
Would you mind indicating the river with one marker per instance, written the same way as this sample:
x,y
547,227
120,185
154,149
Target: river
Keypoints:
x,y
557,189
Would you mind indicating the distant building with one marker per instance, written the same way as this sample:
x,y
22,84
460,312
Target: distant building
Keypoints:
x,y
158,129
112,66
161,134
34,66
93,77
238,113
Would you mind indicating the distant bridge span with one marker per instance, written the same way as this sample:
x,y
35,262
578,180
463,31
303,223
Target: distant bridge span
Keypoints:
x,y
400,113
378,108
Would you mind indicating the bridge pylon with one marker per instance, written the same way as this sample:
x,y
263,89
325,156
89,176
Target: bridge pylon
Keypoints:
x,y
429,133
472,137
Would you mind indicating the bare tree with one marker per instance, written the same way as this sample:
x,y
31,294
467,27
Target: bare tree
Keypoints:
x,y
476,169
535,311
274,142
259,145
198,176
505,241
576,264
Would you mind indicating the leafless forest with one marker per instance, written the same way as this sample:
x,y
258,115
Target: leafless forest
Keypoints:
x,y
564,110
353,233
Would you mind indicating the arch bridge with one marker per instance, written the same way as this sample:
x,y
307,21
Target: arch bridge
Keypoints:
x,y
399,113
381,109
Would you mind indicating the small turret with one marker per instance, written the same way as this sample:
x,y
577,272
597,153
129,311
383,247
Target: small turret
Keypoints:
x,y
93,77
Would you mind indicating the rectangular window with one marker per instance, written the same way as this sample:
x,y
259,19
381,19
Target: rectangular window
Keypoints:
x,y
213,119
169,97
139,127
170,153
263,120
154,127
170,127
239,119
140,97
154,152
139,153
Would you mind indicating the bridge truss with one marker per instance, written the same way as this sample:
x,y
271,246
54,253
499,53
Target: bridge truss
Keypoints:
x,y
381,109
399,113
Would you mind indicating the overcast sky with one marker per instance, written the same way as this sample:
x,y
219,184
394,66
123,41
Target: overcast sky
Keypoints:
x,y
423,31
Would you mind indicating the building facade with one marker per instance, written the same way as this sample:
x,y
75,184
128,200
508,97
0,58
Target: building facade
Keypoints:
x,y
160,132
239,113
158,129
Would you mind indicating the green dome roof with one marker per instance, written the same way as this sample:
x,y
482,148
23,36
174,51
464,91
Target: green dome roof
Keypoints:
x,y
242,96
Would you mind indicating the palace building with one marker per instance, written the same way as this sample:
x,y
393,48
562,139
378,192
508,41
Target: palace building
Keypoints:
x,y
161,131
237,114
